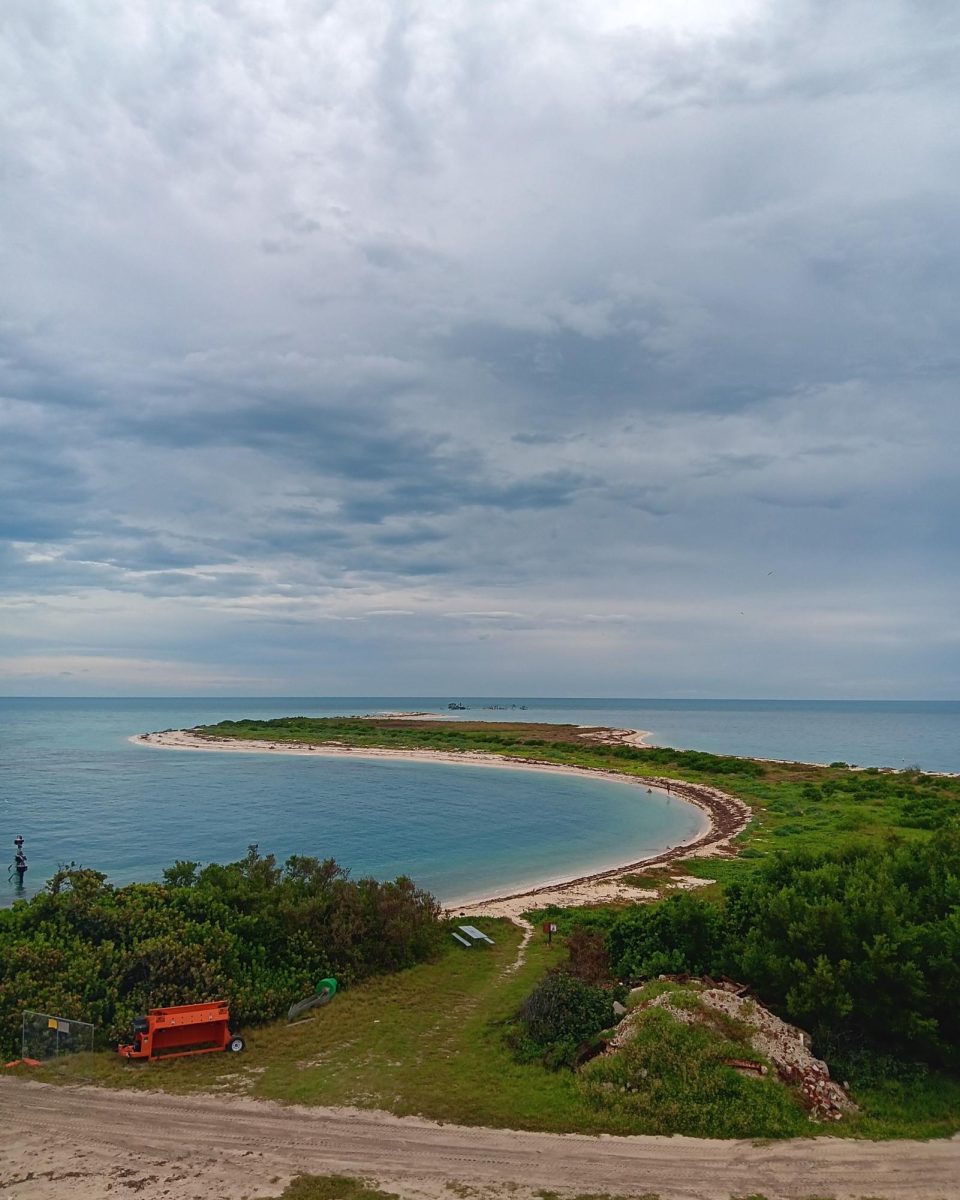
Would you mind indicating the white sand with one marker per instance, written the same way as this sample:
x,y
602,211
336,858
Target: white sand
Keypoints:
x,y
724,815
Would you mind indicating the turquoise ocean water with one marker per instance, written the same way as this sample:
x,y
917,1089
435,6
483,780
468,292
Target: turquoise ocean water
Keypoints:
x,y
77,790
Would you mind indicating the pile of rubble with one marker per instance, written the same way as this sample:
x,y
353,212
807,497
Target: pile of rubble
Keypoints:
x,y
784,1046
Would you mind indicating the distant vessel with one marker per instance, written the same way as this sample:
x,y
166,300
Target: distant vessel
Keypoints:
x,y
457,706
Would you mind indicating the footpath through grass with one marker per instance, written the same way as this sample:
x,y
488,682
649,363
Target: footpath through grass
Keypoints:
x,y
429,1041
425,1041
422,1041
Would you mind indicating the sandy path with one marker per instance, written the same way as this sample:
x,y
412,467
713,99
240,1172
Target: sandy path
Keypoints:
x,y
87,1143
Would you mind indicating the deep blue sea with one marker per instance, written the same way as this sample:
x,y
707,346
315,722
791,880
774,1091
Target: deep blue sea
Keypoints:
x,y
77,790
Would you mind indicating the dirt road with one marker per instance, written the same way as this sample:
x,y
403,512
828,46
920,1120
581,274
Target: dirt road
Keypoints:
x,y
89,1142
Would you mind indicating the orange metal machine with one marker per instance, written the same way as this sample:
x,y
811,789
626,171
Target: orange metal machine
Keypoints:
x,y
182,1029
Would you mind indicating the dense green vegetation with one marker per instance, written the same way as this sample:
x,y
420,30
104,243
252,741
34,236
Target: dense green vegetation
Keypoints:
x,y
549,743
430,1040
861,946
255,933
560,1013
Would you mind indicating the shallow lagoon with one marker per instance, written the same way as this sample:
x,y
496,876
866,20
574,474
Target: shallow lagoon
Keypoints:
x,y
78,790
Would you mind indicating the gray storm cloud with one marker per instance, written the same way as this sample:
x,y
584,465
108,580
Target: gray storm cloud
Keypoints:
x,y
538,347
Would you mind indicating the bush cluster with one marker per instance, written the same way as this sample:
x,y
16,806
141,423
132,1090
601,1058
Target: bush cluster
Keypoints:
x,y
251,932
560,1014
861,946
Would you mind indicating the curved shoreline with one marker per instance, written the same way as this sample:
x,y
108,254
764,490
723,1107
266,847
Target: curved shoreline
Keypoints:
x,y
726,815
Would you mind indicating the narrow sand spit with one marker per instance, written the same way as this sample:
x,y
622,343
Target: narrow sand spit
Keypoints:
x,y
726,815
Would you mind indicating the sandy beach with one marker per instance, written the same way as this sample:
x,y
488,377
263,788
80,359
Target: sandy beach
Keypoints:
x,y
724,816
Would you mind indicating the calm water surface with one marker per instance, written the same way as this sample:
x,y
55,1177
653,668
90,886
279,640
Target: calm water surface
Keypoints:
x,y
77,790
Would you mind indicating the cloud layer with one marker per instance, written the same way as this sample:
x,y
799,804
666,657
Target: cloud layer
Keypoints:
x,y
530,348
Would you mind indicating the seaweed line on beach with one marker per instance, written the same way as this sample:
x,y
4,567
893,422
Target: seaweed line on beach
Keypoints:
x,y
727,815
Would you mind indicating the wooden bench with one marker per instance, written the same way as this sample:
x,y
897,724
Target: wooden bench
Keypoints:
x,y
462,940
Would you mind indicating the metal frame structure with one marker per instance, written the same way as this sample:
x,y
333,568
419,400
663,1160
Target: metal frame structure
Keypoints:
x,y
47,1035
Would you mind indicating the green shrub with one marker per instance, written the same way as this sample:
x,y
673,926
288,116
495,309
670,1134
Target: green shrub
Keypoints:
x,y
861,946
928,812
252,932
559,1015
680,934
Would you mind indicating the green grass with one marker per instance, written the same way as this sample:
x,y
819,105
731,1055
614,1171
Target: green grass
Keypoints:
x,y
332,1187
429,1041
425,1041
672,1077
926,1106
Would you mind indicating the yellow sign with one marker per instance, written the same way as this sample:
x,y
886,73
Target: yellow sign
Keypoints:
x,y
52,1023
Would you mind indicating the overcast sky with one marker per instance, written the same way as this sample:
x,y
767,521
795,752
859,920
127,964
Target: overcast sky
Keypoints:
x,y
514,347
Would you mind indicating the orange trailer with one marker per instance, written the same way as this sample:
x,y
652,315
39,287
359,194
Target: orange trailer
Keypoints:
x,y
182,1029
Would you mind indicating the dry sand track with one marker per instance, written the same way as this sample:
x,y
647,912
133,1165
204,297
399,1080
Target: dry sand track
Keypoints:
x,y
88,1143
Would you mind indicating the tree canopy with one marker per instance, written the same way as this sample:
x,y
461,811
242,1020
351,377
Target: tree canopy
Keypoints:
x,y
861,945
253,932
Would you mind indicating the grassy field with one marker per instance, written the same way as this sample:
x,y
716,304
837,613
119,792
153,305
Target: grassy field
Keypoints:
x,y
426,1041
429,1041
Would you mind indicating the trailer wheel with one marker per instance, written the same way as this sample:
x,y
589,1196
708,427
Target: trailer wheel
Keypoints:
x,y
235,1045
